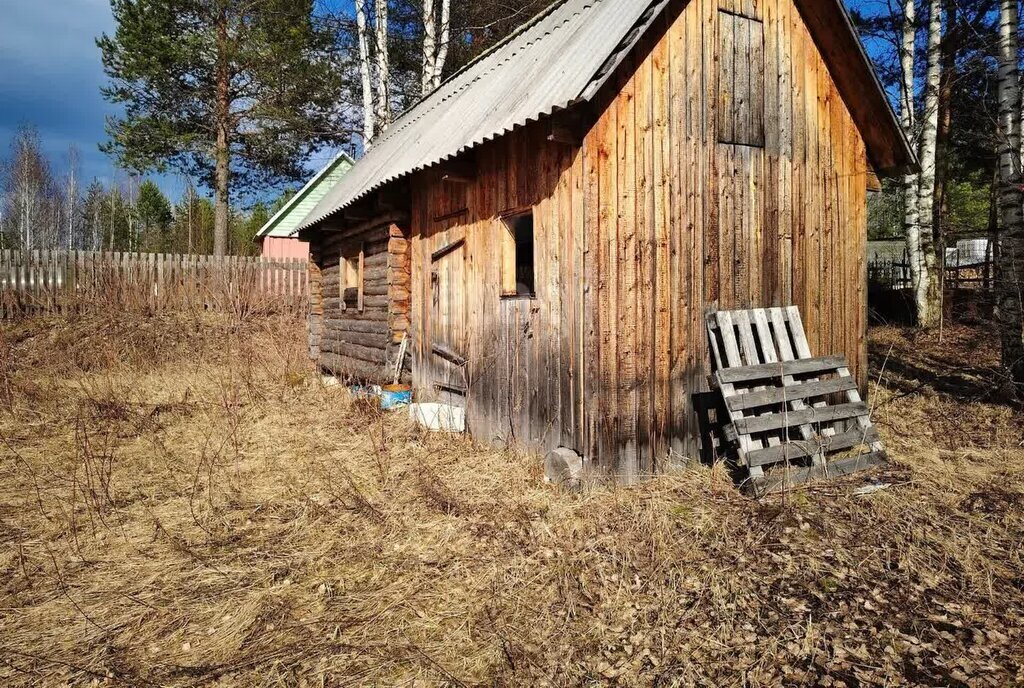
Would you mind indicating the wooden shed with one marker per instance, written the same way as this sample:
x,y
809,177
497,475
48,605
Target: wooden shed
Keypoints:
x,y
576,199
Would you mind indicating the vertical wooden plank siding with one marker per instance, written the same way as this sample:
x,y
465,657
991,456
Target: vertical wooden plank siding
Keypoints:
x,y
679,199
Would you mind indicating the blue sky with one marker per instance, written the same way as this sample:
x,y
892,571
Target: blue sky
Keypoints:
x,y
50,76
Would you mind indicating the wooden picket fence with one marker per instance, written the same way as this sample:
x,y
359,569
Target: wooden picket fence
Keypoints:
x,y
55,282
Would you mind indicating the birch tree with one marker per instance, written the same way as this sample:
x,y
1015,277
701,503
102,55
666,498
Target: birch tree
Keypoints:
x,y
369,123
920,242
71,193
383,65
30,194
442,48
911,218
435,52
429,47
1011,249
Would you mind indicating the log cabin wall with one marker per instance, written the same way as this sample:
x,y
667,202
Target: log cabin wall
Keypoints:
x,y
723,171
315,318
360,342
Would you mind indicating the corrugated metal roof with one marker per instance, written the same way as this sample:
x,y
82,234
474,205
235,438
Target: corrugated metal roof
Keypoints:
x,y
560,58
557,59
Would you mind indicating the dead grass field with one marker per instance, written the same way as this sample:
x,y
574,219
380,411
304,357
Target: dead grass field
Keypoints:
x,y
182,503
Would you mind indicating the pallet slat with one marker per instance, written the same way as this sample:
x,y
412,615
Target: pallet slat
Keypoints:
x,y
777,421
803,448
766,371
792,476
780,395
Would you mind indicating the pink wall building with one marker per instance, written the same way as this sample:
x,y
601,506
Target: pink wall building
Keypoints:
x,y
277,238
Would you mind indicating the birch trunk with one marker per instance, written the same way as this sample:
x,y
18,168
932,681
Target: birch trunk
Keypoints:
x,y
442,48
369,123
924,271
911,218
1011,236
429,47
383,66
71,194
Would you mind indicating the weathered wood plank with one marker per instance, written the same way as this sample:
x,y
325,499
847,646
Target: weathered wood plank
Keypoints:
x,y
779,395
800,449
780,420
766,371
797,475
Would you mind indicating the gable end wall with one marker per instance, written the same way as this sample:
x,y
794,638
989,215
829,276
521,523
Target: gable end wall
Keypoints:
x,y
638,232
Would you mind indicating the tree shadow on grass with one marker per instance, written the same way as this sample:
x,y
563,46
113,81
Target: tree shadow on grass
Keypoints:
x,y
961,362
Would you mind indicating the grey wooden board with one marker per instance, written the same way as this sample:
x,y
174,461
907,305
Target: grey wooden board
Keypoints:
x,y
800,449
796,475
784,419
780,395
766,371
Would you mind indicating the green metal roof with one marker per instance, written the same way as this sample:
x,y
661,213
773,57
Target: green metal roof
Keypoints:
x,y
286,220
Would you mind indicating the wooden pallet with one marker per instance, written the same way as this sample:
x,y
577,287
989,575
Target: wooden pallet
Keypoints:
x,y
799,416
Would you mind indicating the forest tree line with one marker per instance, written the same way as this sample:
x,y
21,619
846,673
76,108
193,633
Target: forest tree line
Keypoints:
x,y
235,97
47,205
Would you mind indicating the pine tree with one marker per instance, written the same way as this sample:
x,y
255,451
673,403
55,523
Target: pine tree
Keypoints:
x,y
246,228
154,215
233,92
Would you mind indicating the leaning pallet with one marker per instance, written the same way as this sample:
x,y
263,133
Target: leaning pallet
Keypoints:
x,y
792,417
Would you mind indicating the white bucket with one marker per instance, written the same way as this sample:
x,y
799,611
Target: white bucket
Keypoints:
x,y
439,417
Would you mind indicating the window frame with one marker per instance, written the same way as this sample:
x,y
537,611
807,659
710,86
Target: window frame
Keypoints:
x,y
509,253
351,277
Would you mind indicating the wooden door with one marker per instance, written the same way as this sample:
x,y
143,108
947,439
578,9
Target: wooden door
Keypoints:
x,y
448,345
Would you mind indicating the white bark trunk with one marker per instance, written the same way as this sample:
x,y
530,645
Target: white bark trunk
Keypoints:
x,y
1020,122
383,66
429,47
133,227
369,123
924,271
71,196
442,48
911,218
1011,235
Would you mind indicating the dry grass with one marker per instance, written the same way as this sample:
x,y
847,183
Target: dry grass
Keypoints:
x,y
182,503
